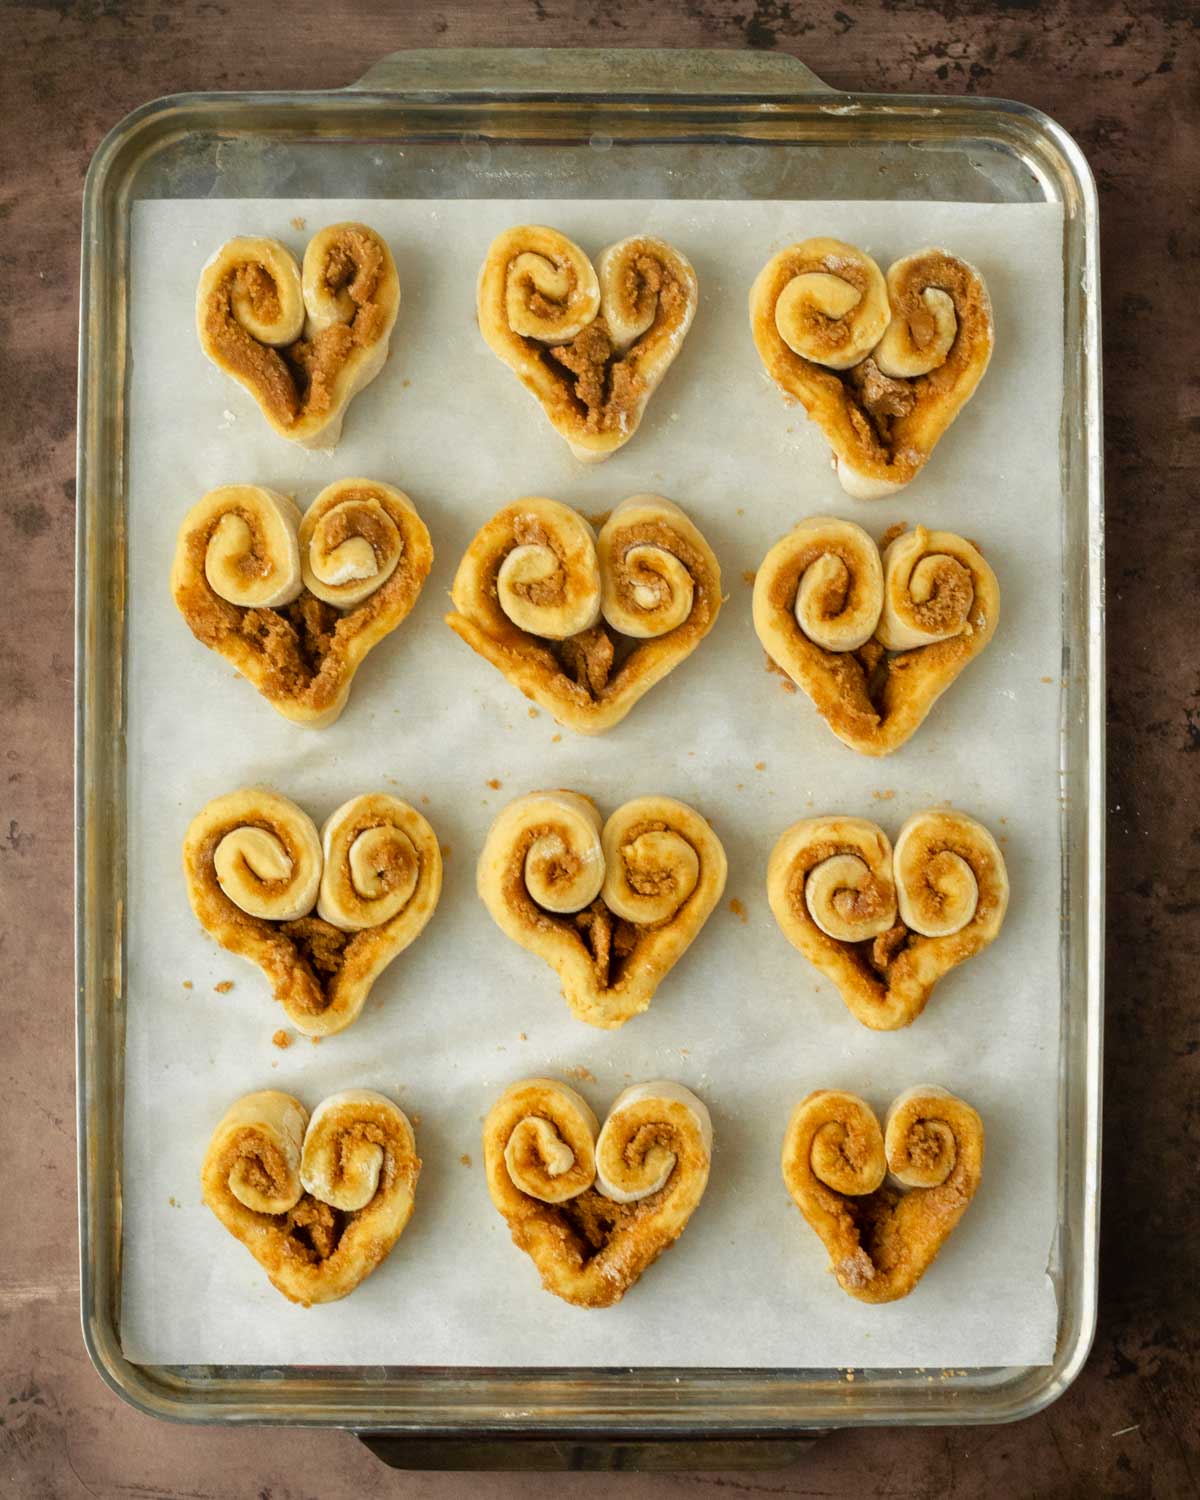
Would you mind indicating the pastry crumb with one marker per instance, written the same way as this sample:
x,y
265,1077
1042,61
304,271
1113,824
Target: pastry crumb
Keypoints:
x,y
884,796
424,800
447,850
187,984
415,1119
748,577
464,1160
741,510
760,765
532,712
171,1201
405,384
521,1037
282,1039
739,911
315,1040
224,987
495,784
582,1074
299,222
1047,679
554,738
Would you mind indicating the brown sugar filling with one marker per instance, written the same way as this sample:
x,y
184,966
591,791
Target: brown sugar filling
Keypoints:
x,y
875,955
319,945
608,939
299,380
878,401
313,1230
603,384
595,1219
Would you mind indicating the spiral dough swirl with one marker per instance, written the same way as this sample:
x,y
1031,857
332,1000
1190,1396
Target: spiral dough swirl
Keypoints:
x,y
349,544
270,867
371,862
549,582
551,292
834,308
651,866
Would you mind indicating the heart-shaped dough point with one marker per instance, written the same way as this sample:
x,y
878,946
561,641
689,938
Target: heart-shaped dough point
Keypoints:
x,y
611,908
883,1202
591,344
322,915
874,640
318,1202
882,365
586,624
594,1207
887,926
296,602
302,341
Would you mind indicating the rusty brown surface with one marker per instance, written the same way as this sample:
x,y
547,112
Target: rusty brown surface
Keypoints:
x,y
1123,78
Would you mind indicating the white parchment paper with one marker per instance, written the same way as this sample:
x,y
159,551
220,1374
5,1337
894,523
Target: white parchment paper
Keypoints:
x,y
743,1019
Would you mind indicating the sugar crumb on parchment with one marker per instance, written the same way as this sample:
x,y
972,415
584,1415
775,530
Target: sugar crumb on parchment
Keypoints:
x,y
224,987
495,783
521,1037
299,222
739,911
760,765
748,576
282,1039
554,738
883,796
447,850
532,712
580,1073
464,1160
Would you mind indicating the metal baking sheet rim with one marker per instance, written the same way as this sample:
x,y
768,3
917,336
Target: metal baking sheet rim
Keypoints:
x,y
576,1404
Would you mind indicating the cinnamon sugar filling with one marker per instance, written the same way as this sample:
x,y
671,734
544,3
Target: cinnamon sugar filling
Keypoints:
x,y
603,385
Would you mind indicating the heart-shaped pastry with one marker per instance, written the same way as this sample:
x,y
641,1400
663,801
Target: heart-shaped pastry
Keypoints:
x,y
883,1202
586,624
318,1202
611,909
296,602
874,641
322,915
883,366
589,343
592,1207
303,342
886,926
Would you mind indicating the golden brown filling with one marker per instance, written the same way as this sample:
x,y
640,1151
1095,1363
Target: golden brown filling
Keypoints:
x,y
604,386
313,1230
319,944
595,1219
300,379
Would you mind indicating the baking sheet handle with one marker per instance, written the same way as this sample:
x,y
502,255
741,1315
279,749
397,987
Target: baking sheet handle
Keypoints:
x,y
538,1453
609,71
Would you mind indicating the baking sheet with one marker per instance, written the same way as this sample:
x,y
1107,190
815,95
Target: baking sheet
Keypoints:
x,y
744,1020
